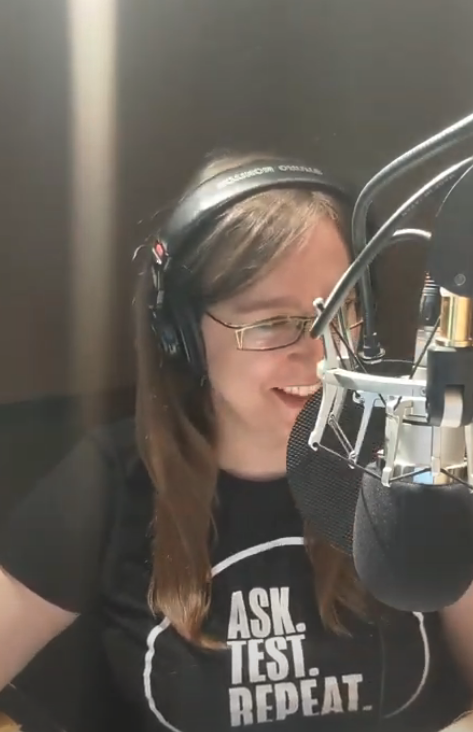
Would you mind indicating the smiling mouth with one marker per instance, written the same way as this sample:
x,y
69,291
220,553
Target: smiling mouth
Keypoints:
x,y
300,391
295,397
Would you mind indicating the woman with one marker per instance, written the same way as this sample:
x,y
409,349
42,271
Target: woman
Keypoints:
x,y
219,608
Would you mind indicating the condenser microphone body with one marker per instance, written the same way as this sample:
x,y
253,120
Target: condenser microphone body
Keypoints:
x,y
397,496
375,477
413,524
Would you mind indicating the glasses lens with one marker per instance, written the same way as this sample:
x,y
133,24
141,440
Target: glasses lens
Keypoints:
x,y
281,332
272,334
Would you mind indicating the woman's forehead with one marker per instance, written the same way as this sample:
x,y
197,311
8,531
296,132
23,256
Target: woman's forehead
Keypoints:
x,y
310,269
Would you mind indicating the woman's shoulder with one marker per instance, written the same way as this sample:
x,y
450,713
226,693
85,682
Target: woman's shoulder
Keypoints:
x,y
118,446
55,538
116,439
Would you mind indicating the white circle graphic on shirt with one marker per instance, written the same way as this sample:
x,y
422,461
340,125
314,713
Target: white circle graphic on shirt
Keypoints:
x,y
300,628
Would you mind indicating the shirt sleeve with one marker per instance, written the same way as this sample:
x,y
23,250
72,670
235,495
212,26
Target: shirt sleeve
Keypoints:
x,y
53,541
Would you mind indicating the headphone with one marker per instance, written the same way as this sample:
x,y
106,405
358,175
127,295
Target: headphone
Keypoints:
x,y
175,323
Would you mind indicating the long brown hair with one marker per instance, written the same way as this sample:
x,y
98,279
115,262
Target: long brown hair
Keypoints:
x,y
175,422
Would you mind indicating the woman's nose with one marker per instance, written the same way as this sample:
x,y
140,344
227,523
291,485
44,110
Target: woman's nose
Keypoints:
x,y
308,347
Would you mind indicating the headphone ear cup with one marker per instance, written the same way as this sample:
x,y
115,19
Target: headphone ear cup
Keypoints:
x,y
191,344
164,329
169,340
179,334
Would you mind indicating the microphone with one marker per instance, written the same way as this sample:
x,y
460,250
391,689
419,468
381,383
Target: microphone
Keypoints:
x,y
374,478
380,462
413,522
413,527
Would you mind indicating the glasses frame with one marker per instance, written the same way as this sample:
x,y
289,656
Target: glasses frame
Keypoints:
x,y
307,322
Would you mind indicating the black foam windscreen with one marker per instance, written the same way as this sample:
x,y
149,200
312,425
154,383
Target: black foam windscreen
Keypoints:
x,y
325,487
413,543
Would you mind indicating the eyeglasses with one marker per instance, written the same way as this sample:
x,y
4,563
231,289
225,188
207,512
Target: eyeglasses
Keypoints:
x,y
274,333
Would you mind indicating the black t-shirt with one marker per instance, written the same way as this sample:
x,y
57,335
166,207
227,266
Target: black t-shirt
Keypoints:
x,y
82,540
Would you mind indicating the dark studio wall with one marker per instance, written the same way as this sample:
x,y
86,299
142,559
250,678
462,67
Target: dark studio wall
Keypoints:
x,y
347,85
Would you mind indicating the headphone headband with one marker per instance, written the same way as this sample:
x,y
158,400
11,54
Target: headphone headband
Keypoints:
x,y
175,323
215,195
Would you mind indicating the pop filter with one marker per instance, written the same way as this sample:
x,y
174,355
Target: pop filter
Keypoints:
x,y
324,484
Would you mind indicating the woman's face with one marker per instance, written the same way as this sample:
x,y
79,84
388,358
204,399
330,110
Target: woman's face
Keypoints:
x,y
258,394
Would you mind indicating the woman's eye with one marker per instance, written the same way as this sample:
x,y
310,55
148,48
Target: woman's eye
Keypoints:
x,y
273,325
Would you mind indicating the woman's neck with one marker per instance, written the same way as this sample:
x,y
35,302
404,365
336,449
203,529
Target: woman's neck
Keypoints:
x,y
248,457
